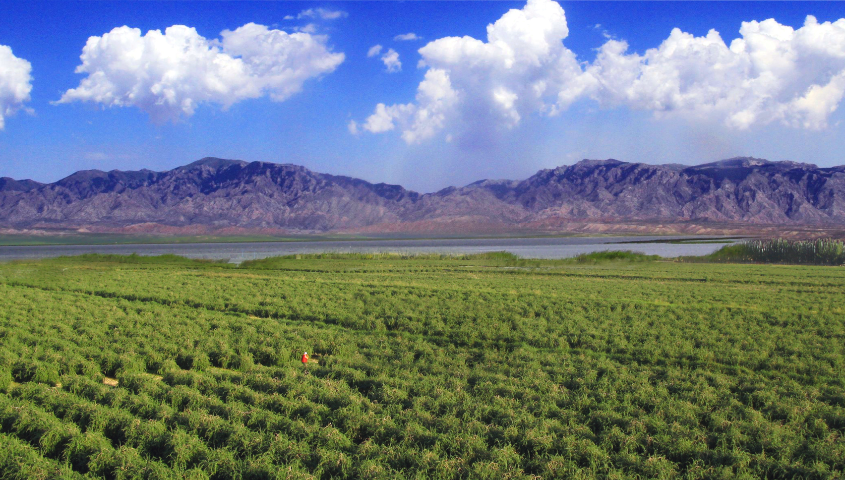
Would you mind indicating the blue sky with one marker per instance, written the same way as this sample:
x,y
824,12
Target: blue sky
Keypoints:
x,y
553,84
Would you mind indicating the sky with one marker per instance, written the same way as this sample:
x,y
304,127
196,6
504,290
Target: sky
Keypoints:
x,y
425,94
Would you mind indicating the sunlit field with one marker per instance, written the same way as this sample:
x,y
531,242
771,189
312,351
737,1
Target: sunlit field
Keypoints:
x,y
426,367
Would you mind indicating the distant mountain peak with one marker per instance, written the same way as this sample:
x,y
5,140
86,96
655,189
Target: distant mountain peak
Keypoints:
x,y
736,162
12,185
213,162
598,163
751,162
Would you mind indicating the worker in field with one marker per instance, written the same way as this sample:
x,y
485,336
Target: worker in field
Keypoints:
x,y
305,358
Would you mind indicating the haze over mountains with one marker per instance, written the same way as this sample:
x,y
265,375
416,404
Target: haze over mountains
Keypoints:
x,y
215,195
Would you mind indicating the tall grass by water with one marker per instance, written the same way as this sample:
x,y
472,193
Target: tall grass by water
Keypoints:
x,y
823,251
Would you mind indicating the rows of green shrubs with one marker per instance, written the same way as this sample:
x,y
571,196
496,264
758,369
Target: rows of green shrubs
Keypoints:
x,y
423,368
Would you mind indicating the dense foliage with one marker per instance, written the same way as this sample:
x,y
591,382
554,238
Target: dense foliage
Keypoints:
x,y
797,252
425,367
614,256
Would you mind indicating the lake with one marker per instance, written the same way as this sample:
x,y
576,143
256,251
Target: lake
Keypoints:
x,y
542,247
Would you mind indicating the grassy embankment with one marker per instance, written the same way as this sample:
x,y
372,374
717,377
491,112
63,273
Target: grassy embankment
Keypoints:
x,y
426,367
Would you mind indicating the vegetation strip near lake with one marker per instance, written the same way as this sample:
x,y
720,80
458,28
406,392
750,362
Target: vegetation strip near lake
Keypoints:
x,y
687,241
609,365
823,251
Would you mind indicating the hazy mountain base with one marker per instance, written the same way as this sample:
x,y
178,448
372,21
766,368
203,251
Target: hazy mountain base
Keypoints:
x,y
157,233
559,226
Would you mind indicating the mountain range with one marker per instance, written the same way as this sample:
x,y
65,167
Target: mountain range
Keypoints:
x,y
214,194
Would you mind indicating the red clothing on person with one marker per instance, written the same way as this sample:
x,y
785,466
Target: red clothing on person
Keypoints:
x,y
304,358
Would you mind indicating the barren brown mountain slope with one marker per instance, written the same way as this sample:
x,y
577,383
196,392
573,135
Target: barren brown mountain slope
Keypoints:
x,y
213,194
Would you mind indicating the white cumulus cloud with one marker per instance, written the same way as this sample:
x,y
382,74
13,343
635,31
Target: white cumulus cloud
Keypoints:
x,y
434,103
15,83
471,83
391,61
373,51
771,73
168,74
407,37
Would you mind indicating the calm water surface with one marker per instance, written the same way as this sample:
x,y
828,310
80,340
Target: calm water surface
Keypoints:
x,y
550,248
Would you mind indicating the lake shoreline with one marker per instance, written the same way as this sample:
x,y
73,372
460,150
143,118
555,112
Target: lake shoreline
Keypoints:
x,y
86,239
547,247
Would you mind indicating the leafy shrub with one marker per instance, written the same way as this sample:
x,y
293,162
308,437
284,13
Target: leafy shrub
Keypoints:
x,y
189,450
5,380
160,363
24,370
615,256
56,440
193,361
87,448
85,368
46,374
21,461
33,371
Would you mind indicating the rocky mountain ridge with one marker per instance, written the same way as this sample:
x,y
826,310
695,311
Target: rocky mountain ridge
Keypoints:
x,y
218,194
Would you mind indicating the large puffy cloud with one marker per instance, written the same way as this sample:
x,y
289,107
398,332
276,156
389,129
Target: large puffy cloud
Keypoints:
x,y
490,84
493,83
435,100
771,73
15,83
168,74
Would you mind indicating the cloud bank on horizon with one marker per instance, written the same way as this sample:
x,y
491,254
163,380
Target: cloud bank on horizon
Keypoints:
x,y
15,83
167,75
773,73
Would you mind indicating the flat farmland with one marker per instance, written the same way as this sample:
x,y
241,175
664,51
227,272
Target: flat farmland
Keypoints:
x,y
425,367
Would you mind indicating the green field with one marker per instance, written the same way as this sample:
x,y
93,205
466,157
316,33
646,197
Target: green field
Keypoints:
x,y
425,367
